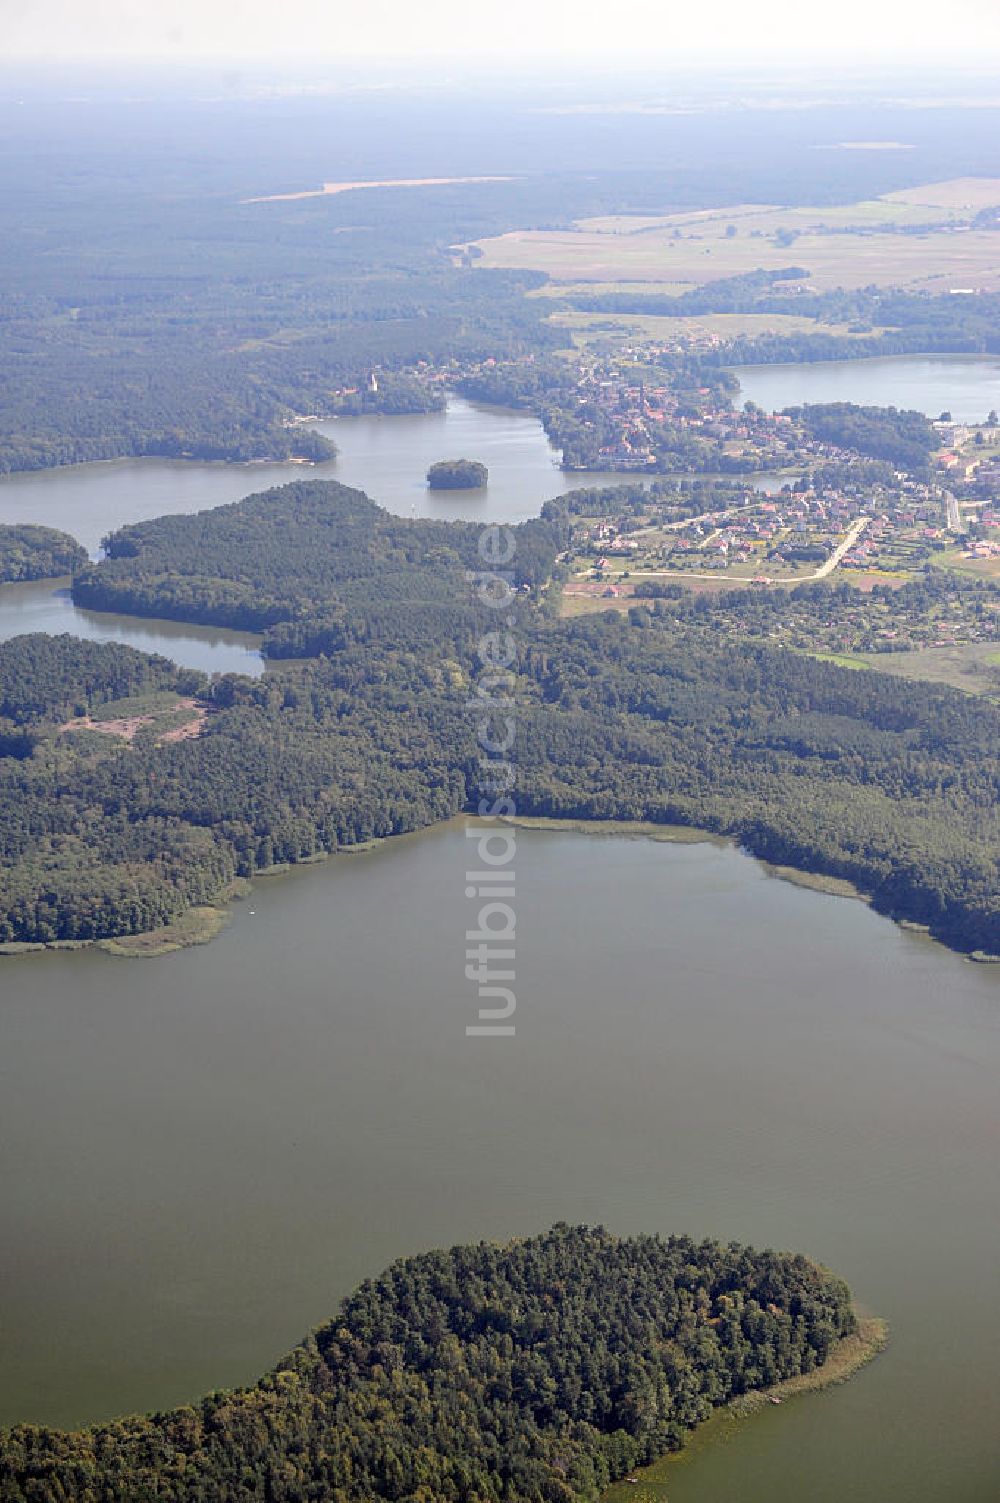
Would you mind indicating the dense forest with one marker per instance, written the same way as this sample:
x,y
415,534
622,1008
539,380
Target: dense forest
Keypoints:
x,y
296,553
903,437
538,1371
201,326
31,552
657,715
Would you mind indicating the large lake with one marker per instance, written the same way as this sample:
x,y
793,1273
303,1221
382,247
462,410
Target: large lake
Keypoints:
x,y
388,457
967,386
200,1154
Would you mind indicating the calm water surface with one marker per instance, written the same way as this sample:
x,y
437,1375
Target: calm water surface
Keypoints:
x,y
200,1154
46,605
967,386
386,456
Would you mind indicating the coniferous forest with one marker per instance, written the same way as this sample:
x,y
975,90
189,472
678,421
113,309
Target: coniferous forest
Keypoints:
x,y
539,1371
361,728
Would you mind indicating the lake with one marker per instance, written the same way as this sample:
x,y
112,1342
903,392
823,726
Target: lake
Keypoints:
x,y
201,1154
46,605
967,386
387,457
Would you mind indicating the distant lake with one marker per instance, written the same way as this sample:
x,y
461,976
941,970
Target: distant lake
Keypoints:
x,y
388,457
46,605
199,1155
967,386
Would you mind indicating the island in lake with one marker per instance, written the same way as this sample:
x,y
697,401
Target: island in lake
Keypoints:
x,y
545,1369
457,475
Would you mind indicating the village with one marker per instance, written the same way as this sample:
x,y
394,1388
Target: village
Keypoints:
x,y
793,534
626,413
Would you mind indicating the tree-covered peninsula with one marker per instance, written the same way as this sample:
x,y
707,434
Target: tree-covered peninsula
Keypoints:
x,y
362,728
31,552
296,554
538,1371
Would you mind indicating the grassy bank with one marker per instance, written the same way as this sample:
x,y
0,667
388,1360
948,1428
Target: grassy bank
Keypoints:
x,y
836,887
195,927
646,829
652,1483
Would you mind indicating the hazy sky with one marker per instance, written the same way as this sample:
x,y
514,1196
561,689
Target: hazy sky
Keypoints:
x,y
860,30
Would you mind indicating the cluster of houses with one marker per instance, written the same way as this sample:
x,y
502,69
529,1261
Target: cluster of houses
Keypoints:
x,y
646,419
790,527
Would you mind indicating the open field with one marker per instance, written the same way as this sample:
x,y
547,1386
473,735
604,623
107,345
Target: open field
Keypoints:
x,y
175,718
957,194
979,568
767,219
576,601
590,328
933,262
696,248
971,666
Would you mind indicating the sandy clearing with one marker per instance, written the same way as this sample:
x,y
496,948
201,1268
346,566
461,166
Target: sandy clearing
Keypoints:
x,y
128,726
328,189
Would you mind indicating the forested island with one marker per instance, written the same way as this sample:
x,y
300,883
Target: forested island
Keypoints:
x,y
542,1370
457,475
31,552
650,715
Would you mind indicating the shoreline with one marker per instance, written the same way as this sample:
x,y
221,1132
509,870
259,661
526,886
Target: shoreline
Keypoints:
x,y
202,923
651,1484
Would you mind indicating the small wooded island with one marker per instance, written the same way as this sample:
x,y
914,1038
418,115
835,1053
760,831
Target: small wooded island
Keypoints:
x,y
543,1370
457,475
